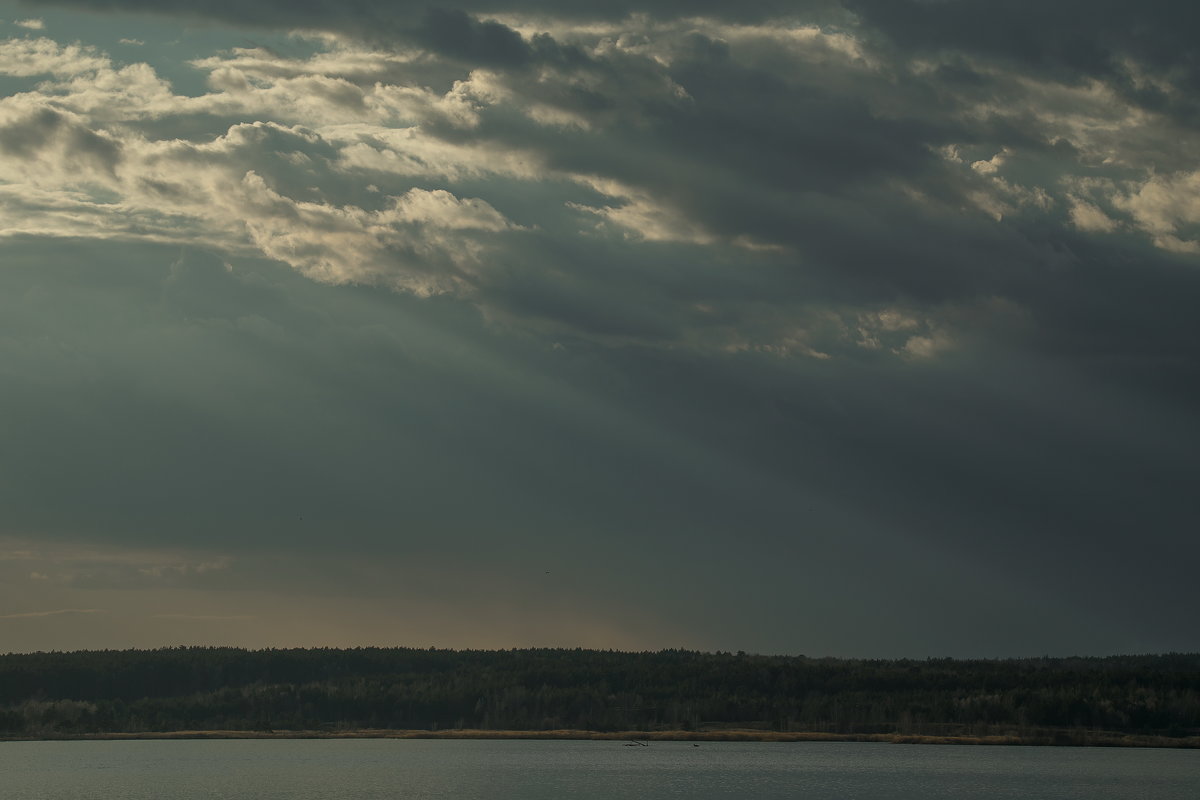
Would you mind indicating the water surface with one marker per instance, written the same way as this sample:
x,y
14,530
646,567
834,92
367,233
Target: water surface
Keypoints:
x,y
373,769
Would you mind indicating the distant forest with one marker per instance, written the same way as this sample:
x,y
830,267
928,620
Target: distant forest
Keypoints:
x,y
195,688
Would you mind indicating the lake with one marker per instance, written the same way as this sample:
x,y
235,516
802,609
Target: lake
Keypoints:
x,y
414,769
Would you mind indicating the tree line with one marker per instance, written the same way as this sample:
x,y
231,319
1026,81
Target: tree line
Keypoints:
x,y
207,688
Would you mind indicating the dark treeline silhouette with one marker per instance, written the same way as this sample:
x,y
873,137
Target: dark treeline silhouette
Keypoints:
x,y
196,688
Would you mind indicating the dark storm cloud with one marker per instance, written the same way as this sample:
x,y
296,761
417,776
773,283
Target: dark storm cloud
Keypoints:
x,y
22,138
786,161
40,128
1082,38
378,14
457,35
1071,40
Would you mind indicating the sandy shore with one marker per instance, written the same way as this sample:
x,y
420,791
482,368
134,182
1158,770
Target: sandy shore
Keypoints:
x,y
1063,738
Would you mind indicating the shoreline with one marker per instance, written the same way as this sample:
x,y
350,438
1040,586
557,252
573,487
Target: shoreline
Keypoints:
x,y
1050,739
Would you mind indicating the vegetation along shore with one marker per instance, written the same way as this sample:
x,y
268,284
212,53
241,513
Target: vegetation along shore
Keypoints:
x,y
196,692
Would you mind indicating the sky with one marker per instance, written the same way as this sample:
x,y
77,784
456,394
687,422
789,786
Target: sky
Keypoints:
x,y
854,328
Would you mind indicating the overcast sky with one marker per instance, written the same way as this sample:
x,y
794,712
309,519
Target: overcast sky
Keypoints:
x,y
858,327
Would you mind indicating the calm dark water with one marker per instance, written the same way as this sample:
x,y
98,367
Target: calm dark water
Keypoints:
x,y
366,769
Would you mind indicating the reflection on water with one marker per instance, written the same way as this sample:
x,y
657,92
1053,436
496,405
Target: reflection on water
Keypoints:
x,y
367,769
